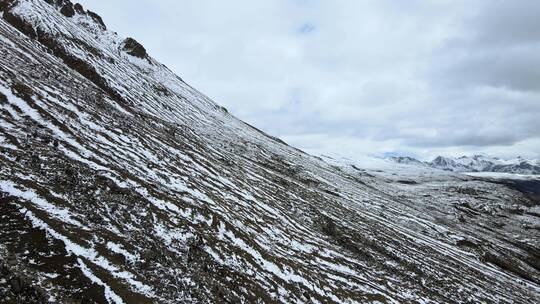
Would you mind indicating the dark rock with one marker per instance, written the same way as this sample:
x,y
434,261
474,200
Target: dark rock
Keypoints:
x,y
5,4
516,211
67,10
149,256
407,182
530,188
79,65
466,243
162,90
332,192
507,264
467,191
97,19
20,24
134,48
12,260
90,49
79,9
328,226
3,98
16,285
22,91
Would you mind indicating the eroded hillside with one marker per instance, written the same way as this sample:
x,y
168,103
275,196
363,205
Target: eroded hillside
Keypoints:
x,y
121,183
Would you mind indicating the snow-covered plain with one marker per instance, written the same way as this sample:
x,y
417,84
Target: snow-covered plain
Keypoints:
x,y
121,183
499,175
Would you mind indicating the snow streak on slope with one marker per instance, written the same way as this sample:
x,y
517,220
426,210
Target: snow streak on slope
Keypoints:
x,y
121,183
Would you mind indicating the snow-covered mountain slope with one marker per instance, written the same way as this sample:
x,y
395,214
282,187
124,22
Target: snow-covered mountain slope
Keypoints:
x,y
121,183
476,163
406,160
480,163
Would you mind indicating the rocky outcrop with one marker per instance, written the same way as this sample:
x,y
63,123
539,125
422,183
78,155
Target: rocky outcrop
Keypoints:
x,y
4,4
67,9
97,19
20,24
14,289
78,64
134,48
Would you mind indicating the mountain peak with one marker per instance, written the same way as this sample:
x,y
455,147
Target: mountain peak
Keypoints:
x,y
479,163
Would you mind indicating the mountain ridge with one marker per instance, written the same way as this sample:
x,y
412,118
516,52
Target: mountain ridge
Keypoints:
x,y
475,163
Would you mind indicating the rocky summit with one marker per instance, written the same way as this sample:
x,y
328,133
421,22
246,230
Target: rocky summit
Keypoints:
x,y
120,183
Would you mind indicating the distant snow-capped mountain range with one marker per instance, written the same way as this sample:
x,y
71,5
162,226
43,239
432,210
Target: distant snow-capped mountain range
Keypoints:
x,y
476,163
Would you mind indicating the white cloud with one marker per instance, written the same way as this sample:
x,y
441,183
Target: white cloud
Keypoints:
x,y
349,77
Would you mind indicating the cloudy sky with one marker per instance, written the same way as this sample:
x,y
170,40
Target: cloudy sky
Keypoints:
x,y
356,77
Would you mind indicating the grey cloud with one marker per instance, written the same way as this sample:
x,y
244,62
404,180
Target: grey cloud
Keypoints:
x,y
497,45
465,140
517,68
506,23
421,77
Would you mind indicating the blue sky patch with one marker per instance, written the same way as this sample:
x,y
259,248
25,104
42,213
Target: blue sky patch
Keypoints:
x,y
306,28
